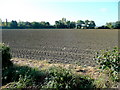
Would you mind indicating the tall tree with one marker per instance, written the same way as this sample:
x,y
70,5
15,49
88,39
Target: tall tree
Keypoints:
x,y
35,25
79,24
110,25
117,25
28,25
63,20
68,24
87,22
6,23
72,25
92,24
57,24
61,23
13,24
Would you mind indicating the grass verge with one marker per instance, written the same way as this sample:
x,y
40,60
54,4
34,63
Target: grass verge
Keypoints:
x,y
42,74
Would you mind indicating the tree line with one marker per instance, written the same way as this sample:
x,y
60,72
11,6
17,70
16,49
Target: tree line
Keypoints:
x,y
60,24
110,25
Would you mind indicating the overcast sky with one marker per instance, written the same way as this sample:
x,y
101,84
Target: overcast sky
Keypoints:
x,y
101,11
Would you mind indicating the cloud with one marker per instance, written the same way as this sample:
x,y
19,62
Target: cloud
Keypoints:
x,y
103,9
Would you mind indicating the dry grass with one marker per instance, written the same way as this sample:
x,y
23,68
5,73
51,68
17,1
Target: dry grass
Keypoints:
x,y
101,80
94,72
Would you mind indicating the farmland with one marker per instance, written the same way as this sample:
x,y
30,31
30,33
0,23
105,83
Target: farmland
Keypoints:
x,y
64,46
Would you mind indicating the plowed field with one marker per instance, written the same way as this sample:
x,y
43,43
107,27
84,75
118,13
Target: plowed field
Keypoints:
x,y
64,46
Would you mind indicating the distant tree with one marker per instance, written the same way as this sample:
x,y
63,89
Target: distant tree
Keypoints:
x,y
103,27
6,23
57,24
61,23
47,23
92,25
44,24
3,25
35,25
113,25
21,25
110,25
72,24
79,24
87,23
9,25
63,20
28,25
13,24
117,25
68,24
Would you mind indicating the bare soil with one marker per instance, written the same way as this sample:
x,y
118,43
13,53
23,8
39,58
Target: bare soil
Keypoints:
x,y
63,46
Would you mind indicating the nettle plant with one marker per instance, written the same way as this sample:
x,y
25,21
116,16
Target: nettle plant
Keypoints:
x,y
109,59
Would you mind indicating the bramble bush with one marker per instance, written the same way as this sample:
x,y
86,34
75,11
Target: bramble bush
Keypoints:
x,y
23,76
60,78
6,56
54,78
109,60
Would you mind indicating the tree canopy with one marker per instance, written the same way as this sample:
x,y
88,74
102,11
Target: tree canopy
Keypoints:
x,y
59,24
111,25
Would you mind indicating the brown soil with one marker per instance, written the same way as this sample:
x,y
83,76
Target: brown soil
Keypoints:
x,y
60,46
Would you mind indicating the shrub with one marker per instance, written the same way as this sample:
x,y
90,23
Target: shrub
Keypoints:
x,y
60,78
6,56
55,77
23,76
110,60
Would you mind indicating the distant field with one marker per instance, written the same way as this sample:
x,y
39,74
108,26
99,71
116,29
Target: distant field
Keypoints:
x,y
65,46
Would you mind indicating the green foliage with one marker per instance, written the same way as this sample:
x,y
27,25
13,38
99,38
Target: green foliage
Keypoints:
x,y
23,75
24,81
60,78
113,25
103,81
6,56
85,24
109,25
110,60
60,24
57,78
13,24
117,25
25,25
63,23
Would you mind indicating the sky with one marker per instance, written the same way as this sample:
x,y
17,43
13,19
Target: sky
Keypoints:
x,y
100,11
